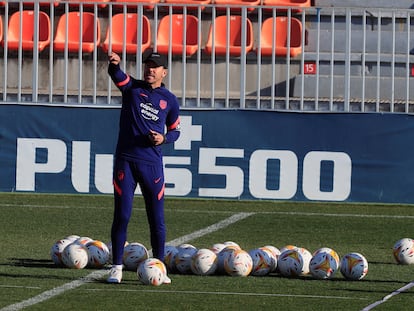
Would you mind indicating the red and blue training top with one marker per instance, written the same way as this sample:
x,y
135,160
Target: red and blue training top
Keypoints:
x,y
144,109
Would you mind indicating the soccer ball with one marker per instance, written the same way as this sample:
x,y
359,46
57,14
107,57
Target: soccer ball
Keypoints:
x,y
57,250
83,240
262,261
98,254
288,247
221,257
217,247
274,254
290,263
329,250
323,265
134,254
169,257
151,271
204,262
184,257
306,257
354,266
403,251
232,244
238,263
75,256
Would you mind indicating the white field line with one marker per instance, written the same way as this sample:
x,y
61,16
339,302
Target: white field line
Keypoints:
x,y
394,293
96,275
227,293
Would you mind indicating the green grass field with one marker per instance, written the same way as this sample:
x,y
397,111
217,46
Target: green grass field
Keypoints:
x,y
31,223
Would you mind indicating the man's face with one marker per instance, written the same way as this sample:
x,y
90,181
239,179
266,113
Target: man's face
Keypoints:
x,y
154,74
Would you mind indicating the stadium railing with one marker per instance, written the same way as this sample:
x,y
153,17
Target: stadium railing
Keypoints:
x,y
332,59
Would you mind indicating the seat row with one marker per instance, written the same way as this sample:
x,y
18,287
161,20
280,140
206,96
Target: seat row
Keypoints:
x,y
82,31
149,4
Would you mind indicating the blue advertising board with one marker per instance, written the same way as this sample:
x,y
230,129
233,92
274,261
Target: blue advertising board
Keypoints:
x,y
233,154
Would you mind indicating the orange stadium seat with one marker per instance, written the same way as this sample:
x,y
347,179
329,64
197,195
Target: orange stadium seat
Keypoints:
x,y
177,31
88,3
129,23
80,36
279,28
235,42
179,4
27,19
287,3
236,4
148,4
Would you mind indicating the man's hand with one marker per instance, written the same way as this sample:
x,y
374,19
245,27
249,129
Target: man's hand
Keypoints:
x,y
156,138
114,58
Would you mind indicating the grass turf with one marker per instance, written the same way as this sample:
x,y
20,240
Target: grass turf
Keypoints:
x,y
31,223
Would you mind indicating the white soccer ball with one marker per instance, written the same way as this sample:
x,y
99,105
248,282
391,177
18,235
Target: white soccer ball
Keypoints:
x,y
57,250
98,254
274,254
232,244
288,247
262,261
184,257
83,240
354,266
151,271
217,247
75,256
169,257
238,263
204,262
306,257
329,250
290,263
221,258
403,251
134,254
323,265
72,237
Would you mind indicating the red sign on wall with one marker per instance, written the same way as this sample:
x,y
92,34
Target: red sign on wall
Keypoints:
x,y
310,68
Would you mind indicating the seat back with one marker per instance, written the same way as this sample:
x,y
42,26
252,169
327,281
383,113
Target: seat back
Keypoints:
x,y
235,35
127,25
178,22
279,28
26,19
80,32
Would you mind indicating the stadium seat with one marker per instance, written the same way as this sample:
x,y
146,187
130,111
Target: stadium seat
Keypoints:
x,y
236,5
88,3
148,4
26,19
177,39
220,38
287,3
179,4
279,27
129,23
80,36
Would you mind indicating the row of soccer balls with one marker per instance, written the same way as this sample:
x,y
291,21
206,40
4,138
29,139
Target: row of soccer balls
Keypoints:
x,y
226,258
222,258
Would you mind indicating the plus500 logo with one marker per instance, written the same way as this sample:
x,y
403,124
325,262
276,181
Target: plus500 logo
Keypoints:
x,y
179,176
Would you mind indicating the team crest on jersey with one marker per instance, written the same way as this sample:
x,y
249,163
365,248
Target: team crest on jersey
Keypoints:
x,y
121,175
163,104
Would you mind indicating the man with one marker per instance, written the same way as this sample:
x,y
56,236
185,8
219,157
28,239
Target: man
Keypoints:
x,y
147,108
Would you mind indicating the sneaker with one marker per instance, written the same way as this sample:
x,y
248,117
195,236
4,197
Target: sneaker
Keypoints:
x,y
115,275
167,280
